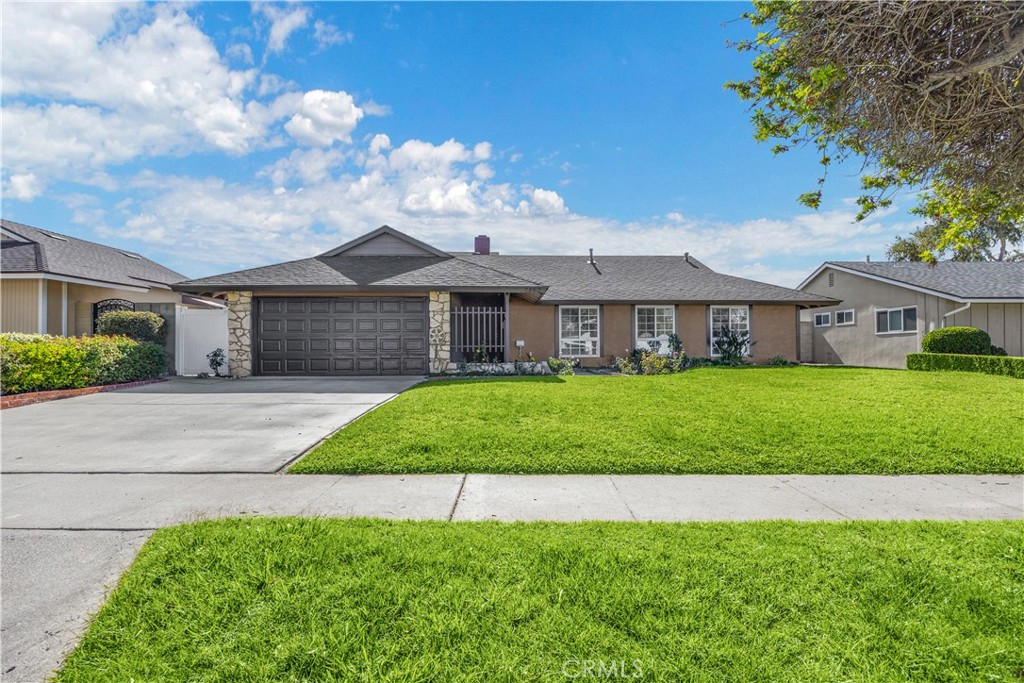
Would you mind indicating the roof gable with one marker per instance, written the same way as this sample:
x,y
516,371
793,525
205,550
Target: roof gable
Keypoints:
x,y
386,241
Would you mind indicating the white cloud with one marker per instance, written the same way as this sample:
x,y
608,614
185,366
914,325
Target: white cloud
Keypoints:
x,y
483,171
240,52
283,23
327,35
25,187
324,118
546,202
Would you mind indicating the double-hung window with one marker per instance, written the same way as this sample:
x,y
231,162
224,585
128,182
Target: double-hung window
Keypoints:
x,y
734,318
822,319
654,324
892,320
579,331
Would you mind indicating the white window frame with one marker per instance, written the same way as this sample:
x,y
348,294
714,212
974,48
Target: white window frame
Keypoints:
x,y
594,340
644,343
711,328
853,317
903,320
828,319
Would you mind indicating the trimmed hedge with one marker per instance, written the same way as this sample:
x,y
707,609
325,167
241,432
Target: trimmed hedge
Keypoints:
x,y
37,362
143,326
1012,366
958,339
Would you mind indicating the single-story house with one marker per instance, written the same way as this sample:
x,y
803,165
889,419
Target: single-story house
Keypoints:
x,y
386,303
886,308
57,284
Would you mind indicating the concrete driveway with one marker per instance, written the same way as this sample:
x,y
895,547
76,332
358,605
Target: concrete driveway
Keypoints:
x,y
188,425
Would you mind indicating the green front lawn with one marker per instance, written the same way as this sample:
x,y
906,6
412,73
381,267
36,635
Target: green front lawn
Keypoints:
x,y
355,600
712,421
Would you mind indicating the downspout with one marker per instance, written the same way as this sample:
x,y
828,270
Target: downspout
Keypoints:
x,y
955,311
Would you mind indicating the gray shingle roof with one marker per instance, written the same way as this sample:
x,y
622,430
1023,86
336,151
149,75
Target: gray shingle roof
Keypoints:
x,y
365,272
963,280
551,279
640,279
70,256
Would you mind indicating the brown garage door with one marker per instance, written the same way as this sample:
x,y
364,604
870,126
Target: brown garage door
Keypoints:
x,y
342,336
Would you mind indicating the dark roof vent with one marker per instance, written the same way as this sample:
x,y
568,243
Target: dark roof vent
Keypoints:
x,y
482,245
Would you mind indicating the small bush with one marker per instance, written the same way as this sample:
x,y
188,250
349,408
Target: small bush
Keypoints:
x,y
997,351
45,363
563,366
1012,366
969,340
143,326
643,362
780,361
733,346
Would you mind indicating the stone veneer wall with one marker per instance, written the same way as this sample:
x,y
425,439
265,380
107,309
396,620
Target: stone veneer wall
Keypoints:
x,y
240,333
439,311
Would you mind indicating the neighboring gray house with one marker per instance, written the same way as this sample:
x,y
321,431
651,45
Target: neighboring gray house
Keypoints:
x,y
888,307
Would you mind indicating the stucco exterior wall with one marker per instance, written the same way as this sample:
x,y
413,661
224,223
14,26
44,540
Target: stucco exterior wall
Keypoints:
x,y
535,326
19,306
692,328
774,329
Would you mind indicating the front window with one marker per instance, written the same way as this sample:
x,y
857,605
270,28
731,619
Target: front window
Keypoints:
x,y
654,324
579,331
735,318
890,320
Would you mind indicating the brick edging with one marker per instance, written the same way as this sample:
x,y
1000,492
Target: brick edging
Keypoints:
x,y
18,400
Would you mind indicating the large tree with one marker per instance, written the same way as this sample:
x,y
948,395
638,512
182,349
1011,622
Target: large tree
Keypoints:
x,y
928,94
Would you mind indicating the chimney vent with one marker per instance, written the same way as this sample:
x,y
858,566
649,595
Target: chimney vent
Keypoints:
x,y
482,245
869,258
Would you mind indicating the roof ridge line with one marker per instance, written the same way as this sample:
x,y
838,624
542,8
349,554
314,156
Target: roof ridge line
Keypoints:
x,y
466,259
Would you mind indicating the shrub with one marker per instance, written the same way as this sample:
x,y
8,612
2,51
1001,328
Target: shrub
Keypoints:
x,y
780,361
733,346
563,366
1012,366
143,326
43,363
217,360
959,339
997,351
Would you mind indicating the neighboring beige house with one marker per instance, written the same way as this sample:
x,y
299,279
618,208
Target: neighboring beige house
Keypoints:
x,y
52,283
887,308
386,303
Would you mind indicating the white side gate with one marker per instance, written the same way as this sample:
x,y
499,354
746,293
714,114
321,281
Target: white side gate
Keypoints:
x,y
198,331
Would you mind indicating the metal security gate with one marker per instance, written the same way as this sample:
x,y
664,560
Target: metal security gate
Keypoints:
x,y
106,306
341,336
478,334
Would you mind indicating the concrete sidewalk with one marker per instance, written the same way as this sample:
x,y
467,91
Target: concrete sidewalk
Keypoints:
x,y
68,536
149,501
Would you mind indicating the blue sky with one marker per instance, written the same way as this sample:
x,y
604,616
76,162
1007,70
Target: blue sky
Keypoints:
x,y
213,137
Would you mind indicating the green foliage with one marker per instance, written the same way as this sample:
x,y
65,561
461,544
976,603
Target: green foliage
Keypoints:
x,y
997,351
563,366
780,362
143,326
733,346
43,363
958,339
265,600
1011,366
729,420
217,359
649,362
879,82
963,226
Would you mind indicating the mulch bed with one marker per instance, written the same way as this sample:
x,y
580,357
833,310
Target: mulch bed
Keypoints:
x,y
27,399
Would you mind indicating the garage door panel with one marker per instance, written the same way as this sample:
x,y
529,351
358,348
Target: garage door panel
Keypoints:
x,y
341,335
